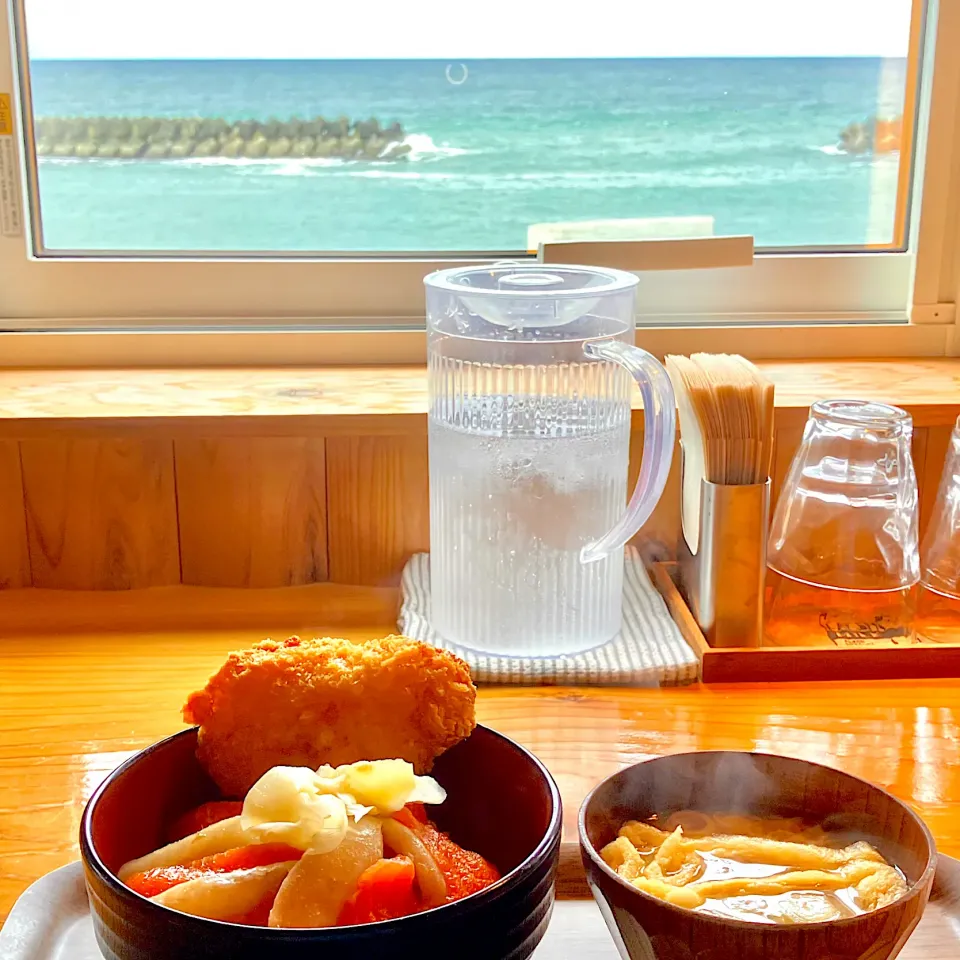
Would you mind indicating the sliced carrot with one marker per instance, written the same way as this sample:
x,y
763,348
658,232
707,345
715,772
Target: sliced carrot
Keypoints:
x,y
466,872
243,858
406,817
385,891
151,882
203,816
418,811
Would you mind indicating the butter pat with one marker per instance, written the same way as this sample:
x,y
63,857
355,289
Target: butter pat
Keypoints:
x,y
288,805
311,809
387,785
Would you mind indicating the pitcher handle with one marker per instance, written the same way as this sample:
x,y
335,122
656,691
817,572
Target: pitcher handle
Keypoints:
x,y
659,431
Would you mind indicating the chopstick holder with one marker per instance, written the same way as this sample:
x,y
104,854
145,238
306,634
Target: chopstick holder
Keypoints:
x,y
722,576
725,409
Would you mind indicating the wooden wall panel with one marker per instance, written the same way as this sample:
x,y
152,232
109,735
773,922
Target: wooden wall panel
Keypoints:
x,y
786,442
101,514
919,451
934,447
14,555
378,506
658,537
266,512
252,512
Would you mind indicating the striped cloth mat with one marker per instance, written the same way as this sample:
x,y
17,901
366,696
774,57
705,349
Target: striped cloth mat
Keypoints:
x,y
648,651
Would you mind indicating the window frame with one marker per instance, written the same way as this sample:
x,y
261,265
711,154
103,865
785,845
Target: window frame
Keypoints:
x,y
295,309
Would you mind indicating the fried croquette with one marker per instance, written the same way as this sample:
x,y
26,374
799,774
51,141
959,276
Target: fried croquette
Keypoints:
x,y
309,702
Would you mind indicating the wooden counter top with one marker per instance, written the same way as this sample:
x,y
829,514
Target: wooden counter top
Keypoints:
x,y
75,703
378,400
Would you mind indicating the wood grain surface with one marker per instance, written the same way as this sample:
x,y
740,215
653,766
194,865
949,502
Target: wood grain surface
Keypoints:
x,y
75,704
378,504
266,512
311,607
14,555
660,533
207,402
786,442
817,662
252,513
101,514
357,400
935,445
292,476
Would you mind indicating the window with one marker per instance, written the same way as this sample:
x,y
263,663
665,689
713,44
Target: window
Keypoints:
x,y
648,117
182,160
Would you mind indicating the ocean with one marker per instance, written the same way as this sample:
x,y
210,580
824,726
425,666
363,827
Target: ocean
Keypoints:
x,y
497,145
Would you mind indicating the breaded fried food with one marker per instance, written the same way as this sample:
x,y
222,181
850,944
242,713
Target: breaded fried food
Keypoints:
x,y
308,702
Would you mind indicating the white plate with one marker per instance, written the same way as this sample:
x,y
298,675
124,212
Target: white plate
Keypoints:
x,y
51,921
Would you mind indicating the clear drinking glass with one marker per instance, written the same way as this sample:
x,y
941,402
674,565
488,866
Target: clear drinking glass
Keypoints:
x,y
938,617
842,558
530,376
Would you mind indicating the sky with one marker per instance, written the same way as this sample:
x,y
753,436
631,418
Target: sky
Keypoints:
x,y
455,29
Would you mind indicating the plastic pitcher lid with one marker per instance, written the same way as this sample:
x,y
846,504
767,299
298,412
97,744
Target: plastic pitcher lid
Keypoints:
x,y
531,294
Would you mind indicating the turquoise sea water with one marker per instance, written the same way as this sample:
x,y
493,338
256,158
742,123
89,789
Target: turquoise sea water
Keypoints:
x,y
751,143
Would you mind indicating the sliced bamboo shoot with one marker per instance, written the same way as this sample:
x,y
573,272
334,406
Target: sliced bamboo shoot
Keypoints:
x,y
318,886
225,835
223,896
401,839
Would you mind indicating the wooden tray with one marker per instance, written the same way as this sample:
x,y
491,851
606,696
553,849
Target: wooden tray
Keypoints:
x,y
762,664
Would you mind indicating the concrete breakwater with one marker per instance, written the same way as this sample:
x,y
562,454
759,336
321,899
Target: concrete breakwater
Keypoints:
x,y
177,138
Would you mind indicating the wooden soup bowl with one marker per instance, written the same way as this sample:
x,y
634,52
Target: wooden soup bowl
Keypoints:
x,y
501,802
646,928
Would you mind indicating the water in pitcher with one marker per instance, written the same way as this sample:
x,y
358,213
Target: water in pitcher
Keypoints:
x,y
509,516
530,374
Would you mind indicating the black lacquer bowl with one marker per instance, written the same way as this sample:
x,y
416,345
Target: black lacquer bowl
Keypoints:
x,y
501,802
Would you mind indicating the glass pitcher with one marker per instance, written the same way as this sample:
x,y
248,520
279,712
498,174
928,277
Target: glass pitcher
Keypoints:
x,y
842,558
530,369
